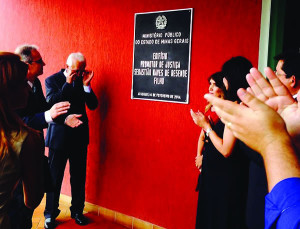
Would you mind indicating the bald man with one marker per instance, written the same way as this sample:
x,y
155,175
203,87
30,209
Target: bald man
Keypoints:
x,y
71,84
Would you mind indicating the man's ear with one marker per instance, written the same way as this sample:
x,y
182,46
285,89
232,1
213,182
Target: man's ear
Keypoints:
x,y
225,82
29,70
293,81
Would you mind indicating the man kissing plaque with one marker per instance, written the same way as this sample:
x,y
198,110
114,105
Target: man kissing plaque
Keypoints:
x,y
161,60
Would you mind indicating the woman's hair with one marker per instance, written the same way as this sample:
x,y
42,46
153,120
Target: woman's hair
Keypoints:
x,y
12,73
235,71
218,78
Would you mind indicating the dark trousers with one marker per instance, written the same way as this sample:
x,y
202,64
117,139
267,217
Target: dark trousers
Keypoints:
x,y
57,162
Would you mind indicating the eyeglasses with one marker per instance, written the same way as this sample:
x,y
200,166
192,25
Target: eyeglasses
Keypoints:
x,y
79,72
39,61
279,74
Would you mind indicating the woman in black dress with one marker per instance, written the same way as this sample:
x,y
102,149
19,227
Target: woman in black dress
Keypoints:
x,y
222,183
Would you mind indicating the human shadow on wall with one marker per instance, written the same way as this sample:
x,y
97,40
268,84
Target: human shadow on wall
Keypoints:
x,y
104,106
98,163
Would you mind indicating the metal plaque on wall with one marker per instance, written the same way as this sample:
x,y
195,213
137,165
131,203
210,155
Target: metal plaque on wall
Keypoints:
x,y
161,59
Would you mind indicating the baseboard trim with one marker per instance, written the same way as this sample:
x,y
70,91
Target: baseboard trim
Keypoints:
x,y
117,217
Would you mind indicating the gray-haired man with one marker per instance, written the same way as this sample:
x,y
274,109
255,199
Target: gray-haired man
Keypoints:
x,y
71,84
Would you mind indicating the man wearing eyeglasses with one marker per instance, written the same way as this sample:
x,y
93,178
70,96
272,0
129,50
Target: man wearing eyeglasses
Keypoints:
x,y
39,113
71,84
288,71
36,115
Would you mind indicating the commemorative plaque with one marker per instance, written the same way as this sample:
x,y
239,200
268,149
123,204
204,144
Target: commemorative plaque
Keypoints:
x,y
161,59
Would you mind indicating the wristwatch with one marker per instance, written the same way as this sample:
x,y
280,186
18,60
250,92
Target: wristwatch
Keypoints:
x,y
208,131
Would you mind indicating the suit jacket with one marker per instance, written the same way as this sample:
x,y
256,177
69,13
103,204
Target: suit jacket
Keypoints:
x,y
33,115
60,136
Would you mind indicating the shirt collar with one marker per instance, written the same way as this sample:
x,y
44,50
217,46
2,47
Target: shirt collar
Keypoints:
x,y
30,84
64,72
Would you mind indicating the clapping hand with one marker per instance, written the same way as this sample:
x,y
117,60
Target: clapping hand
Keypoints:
x,y
277,96
256,124
200,119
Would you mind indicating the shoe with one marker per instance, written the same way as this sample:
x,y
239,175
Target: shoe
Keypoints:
x,y
80,219
49,223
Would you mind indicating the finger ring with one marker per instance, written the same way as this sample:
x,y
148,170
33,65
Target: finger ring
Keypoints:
x,y
229,124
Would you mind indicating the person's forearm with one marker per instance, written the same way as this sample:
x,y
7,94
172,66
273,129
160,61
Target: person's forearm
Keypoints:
x,y
36,121
55,94
281,161
200,143
218,143
224,145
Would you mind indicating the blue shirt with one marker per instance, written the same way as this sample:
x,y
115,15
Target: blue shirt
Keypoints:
x,y
283,205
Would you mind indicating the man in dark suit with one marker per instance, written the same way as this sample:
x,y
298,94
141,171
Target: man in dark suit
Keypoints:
x,y
36,115
71,84
38,112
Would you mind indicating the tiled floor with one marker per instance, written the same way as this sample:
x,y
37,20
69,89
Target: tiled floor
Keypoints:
x,y
64,219
38,215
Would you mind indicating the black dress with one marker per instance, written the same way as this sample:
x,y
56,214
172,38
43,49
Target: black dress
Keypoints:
x,y
222,187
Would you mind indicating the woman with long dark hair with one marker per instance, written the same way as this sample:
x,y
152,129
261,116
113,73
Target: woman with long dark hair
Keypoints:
x,y
21,148
222,183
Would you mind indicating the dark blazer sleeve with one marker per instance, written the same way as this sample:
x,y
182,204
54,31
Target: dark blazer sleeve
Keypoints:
x,y
36,121
34,116
57,90
91,100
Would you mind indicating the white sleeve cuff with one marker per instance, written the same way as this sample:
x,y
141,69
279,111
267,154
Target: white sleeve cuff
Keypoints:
x,y
87,89
48,117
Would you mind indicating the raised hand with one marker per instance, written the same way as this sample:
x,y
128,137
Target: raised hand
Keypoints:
x,y
256,125
273,93
263,130
70,75
200,119
87,77
277,96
